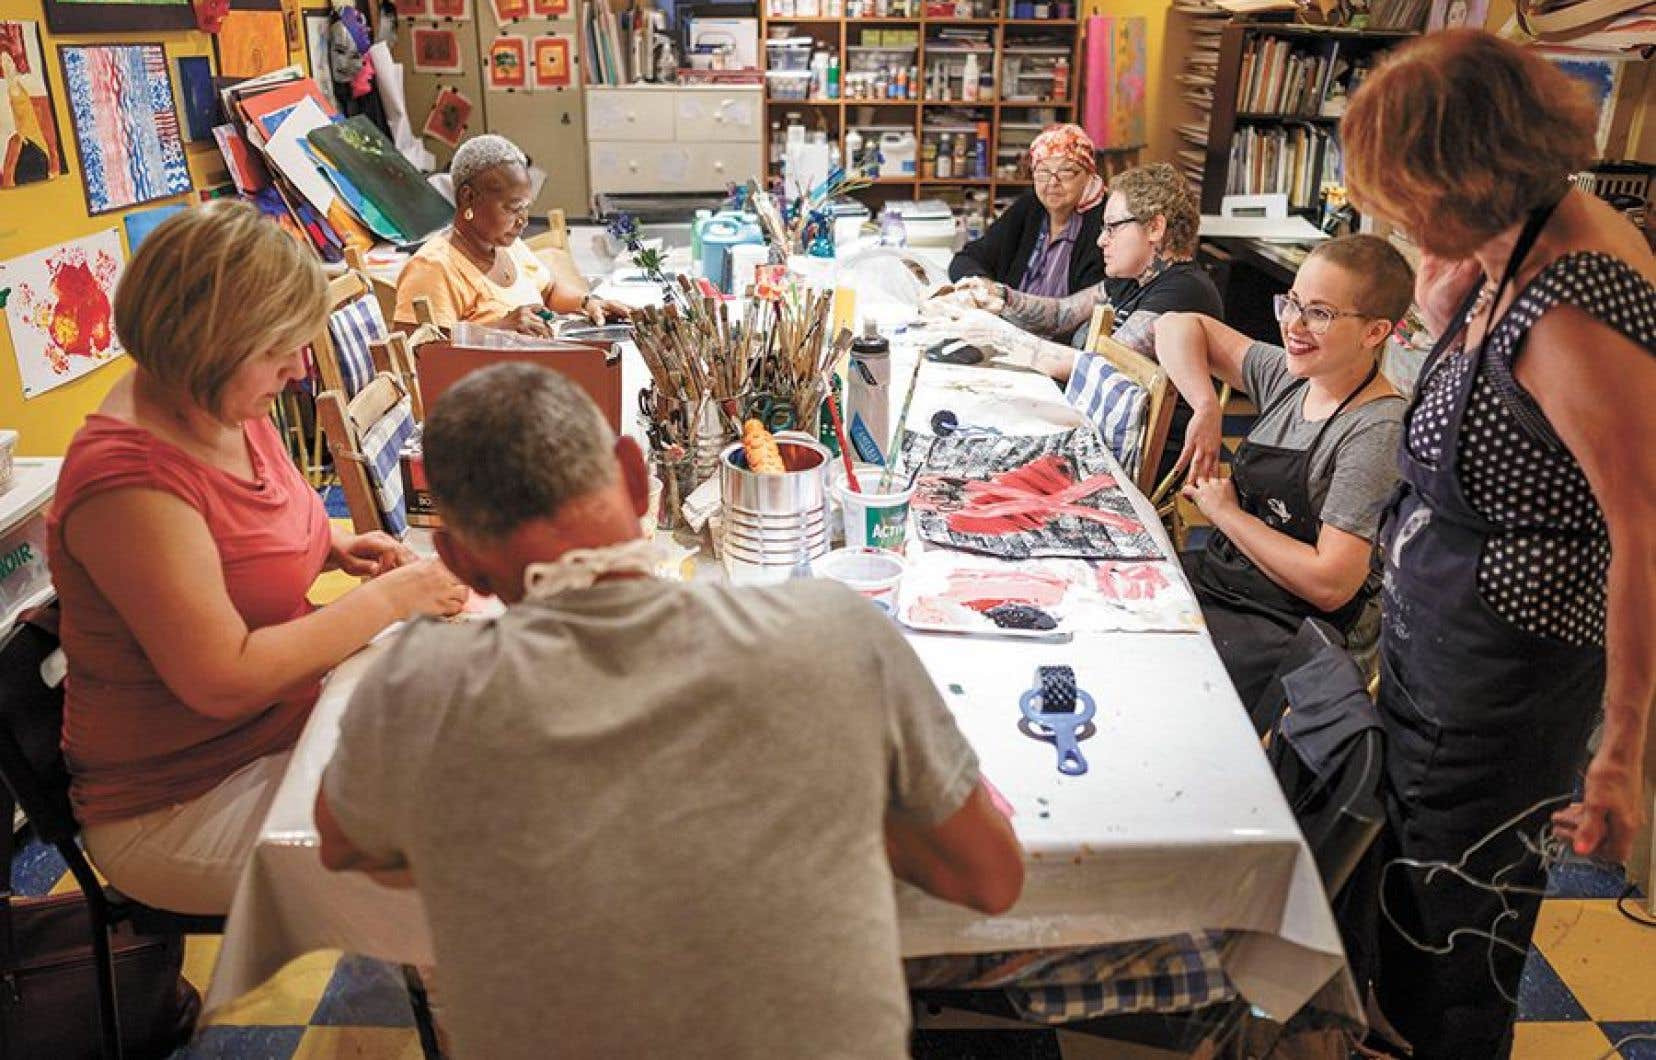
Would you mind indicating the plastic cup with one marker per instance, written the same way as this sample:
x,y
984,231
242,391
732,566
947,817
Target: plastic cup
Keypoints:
x,y
652,514
873,519
874,573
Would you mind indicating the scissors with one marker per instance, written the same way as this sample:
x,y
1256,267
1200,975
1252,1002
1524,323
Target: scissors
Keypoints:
x,y
775,413
1050,714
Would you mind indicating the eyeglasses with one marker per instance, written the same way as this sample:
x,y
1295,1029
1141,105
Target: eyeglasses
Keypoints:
x,y
1061,174
1109,227
1318,317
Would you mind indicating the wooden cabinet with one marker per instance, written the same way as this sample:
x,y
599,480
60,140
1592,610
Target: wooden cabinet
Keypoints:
x,y
670,138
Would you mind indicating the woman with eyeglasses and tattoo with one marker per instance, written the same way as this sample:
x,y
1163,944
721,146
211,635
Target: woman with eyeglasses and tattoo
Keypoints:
x,y
1046,242
480,271
1295,524
1148,238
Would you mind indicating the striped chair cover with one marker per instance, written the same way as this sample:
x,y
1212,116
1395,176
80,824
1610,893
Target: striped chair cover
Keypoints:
x,y
381,445
352,327
1114,404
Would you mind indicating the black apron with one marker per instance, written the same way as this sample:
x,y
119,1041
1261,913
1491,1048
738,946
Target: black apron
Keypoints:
x,y
1252,618
1482,720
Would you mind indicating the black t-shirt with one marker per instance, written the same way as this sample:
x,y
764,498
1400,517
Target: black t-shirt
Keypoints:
x,y
1183,287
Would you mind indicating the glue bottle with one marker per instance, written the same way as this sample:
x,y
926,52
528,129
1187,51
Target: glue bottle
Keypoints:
x,y
868,395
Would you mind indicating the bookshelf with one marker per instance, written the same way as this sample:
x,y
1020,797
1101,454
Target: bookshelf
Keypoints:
x,y
1274,103
1017,58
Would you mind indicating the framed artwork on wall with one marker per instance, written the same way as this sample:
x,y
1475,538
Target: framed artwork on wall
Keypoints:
x,y
98,16
437,51
31,149
121,106
509,63
251,42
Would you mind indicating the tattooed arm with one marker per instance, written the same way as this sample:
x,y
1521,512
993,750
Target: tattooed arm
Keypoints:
x,y
1055,318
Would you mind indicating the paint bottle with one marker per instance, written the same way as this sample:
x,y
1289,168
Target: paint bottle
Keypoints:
x,y
868,395
1060,79
969,79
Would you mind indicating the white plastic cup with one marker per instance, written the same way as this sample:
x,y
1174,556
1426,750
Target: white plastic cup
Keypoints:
x,y
651,520
874,573
874,519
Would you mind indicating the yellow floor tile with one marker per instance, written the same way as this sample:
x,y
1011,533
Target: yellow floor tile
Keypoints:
x,y
1596,950
330,587
1559,1041
288,999
359,1043
200,955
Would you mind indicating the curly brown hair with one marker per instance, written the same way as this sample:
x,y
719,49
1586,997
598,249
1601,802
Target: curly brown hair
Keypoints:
x,y
1457,135
1159,188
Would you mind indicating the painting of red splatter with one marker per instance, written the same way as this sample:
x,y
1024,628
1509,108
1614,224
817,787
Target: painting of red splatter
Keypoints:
x,y
61,310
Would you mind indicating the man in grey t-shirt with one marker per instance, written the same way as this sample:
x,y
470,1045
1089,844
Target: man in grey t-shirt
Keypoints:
x,y
647,818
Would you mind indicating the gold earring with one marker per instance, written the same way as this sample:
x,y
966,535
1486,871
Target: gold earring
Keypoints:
x,y
469,214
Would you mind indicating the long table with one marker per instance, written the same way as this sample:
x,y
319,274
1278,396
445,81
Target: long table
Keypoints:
x,y
1178,827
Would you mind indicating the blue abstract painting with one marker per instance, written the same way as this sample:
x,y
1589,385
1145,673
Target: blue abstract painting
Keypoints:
x,y
121,105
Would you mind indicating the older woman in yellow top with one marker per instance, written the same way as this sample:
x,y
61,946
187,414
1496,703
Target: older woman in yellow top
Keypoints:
x,y
480,271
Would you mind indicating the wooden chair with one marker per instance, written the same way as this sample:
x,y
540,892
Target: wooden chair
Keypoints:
x,y
385,292
1146,373
356,343
552,248
364,441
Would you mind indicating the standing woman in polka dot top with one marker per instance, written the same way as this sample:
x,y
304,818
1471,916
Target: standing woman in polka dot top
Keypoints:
x,y
1519,593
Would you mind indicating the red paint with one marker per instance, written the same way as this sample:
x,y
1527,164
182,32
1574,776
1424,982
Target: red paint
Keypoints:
x,y
80,313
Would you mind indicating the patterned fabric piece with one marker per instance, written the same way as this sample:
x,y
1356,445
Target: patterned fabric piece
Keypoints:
x,y
1070,143
1546,567
381,445
352,327
1175,974
1113,404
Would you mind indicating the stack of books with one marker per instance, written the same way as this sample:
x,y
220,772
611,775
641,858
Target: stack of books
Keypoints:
x,y
1279,77
1205,22
1285,160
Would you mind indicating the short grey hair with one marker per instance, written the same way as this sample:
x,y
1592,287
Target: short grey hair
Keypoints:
x,y
512,443
483,153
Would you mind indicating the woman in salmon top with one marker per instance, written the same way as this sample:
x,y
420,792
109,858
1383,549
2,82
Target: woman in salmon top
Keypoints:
x,y
182,543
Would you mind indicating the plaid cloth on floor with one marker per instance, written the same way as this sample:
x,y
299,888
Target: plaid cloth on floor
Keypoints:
x,y
1179,973
352,327
381,446
1113,404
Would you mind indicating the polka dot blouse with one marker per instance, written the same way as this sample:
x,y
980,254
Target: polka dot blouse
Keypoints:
x,y
1545,567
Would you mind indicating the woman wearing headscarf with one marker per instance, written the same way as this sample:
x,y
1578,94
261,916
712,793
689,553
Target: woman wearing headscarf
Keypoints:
x,y
1046,242
480,271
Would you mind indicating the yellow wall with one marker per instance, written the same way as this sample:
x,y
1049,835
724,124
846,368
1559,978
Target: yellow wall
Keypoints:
x,y
37,216
1154,13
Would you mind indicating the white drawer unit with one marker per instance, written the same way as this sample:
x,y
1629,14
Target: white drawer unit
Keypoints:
x,y
649,138
630,114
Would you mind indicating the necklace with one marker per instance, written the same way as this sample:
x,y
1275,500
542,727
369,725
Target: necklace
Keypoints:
x,y
1481,303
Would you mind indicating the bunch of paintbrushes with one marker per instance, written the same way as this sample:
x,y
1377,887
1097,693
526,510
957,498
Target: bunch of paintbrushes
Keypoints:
x,y
698,355
799,360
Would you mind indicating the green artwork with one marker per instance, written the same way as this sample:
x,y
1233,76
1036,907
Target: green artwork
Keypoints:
x,y
383,177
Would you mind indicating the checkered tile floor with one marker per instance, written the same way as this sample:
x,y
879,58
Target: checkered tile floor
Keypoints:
x,y
1591,981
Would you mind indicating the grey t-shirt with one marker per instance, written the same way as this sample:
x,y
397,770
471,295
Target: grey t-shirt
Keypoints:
x,y
1355,464
646,818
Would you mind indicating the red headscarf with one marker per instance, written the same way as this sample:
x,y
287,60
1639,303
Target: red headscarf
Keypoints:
x,y
1070,143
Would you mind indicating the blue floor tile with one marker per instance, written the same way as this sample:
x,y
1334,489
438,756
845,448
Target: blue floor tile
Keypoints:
x,y
242,1043
1643,1048
1542,995
36,868
364,993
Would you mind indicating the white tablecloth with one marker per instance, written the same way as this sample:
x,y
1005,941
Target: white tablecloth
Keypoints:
x,y
1178,826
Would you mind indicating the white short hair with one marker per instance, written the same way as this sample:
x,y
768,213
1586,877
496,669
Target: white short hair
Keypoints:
x,y
481,153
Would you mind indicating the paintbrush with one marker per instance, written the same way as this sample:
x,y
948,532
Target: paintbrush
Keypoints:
x,y
897,433
844,444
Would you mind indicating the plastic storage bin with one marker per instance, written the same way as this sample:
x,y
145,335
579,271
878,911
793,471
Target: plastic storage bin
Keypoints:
x,y
789,53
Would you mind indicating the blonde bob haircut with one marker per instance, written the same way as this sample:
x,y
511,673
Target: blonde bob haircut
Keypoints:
x,y
1458,135
212,287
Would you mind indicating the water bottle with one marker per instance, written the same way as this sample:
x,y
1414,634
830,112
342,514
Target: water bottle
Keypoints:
x,y
868,396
